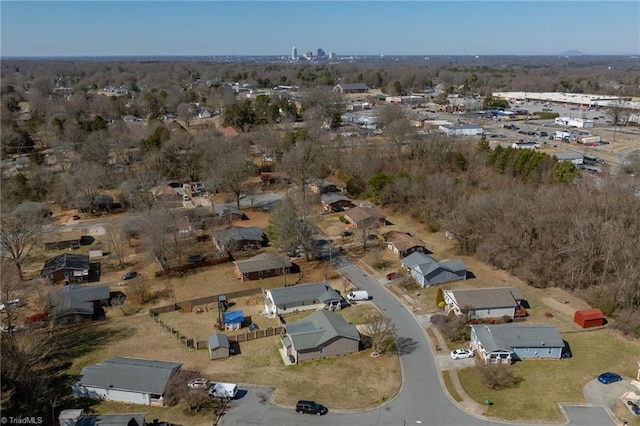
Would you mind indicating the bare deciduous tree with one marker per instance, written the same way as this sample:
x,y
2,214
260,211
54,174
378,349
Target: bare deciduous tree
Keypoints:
x,y
19,234
381,330
118,241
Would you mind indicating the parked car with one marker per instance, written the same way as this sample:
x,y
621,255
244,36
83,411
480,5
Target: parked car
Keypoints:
x,y
346,234
609,377
196,258
75,217
634,408
199,383
393,275
129,275
461,354
310,407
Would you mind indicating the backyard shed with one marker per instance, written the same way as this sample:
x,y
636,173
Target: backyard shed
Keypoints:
x,y
218,346
586,318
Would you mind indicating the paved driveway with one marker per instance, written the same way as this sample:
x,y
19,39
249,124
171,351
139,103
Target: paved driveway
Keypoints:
x,y
421,399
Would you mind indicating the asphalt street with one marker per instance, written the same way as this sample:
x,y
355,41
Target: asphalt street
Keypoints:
x,y
421,400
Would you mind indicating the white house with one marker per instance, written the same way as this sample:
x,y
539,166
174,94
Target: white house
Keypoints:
x,y
502,343
482,303
300,298
129,380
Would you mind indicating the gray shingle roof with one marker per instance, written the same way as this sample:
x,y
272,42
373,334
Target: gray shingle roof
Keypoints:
x,y
318,329
131,374
136,419
236,233
508,337
306,294
76,299
354,86
218,340
417,258
449,265
491,297
263,262
65,261
224,210
332,197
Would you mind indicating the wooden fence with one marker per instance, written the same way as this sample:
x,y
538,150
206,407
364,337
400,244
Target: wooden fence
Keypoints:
x,y
203,301
192,343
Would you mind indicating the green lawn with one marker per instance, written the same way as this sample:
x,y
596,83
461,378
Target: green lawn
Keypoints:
x,y
545,384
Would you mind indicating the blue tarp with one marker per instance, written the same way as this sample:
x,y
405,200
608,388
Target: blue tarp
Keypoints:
x,y
233,317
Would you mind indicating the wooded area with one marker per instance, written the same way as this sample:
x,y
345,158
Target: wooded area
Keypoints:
x,y
518,210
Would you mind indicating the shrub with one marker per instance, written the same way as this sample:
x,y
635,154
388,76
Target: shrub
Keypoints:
x,y
499,376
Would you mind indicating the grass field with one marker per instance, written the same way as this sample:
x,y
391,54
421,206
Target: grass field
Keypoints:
x,y
546,383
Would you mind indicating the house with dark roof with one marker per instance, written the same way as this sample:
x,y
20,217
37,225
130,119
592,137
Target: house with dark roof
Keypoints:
x,y
403,244
438,272
319,335
360,218
284,300
321,186
78,301
483,303
62,240
347,88
68,267
236,238
128,380
264,265
228,213
218,345
504,343
76,417
334,202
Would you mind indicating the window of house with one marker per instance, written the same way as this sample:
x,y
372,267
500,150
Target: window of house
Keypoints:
x,y
260,272
321,350
246,274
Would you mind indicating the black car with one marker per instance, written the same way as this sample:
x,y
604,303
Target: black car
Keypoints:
x,y
310,407
129,275
196,258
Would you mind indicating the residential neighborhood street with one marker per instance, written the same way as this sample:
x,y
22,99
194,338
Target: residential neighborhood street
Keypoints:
x,y
421,400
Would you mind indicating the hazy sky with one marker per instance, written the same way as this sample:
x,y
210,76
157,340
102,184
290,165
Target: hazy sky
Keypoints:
x,y
109,28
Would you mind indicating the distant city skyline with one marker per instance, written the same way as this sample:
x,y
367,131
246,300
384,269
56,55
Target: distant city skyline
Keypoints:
x,y
220,28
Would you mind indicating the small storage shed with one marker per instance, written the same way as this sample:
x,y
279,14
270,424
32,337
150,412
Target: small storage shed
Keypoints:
x,y
218,346
233,320
586,318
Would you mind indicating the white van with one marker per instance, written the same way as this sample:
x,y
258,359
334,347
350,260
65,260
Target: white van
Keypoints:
x,y
357,296
223,390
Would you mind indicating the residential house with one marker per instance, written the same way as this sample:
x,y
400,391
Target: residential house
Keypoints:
x,y
228,213
270,178
62,240
416,258
402,244
231,132
237,238
334,202
218,345
128,380
204,114
78,302
347,88
264,265
438,272
284,300
366,218
76,417
321,186
69,267
504,343
482,303
320,335
418,120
